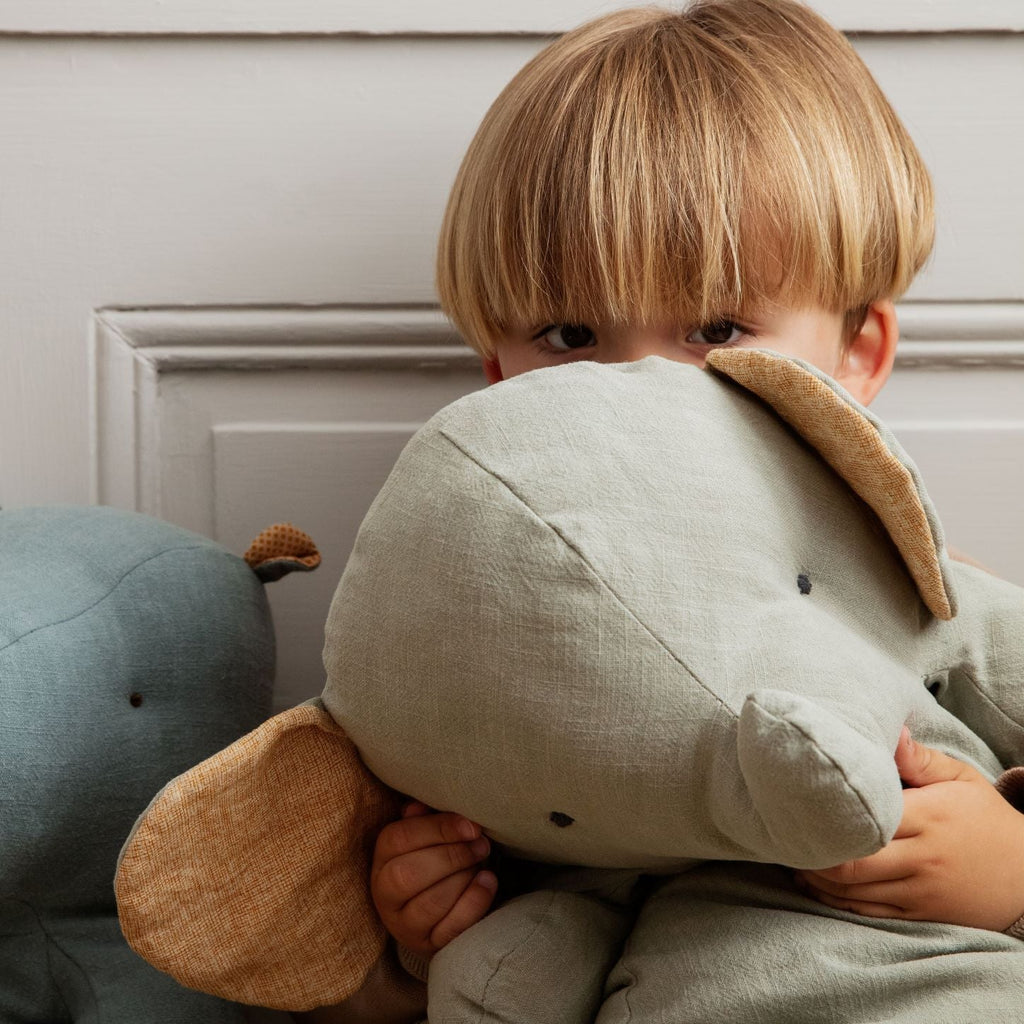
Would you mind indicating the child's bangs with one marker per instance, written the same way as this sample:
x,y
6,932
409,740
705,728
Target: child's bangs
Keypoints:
x,y
652,265
641,230
698,249
658,172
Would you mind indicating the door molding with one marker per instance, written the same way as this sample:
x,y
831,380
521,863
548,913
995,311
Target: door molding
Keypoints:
x,y
134,350
443,17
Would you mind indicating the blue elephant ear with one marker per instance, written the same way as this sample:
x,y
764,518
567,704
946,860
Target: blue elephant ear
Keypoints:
x,y
861,449
247,876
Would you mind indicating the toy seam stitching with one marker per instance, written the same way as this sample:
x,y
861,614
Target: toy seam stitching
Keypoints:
x,y
51,944
497,967
828,757
594,573
78,614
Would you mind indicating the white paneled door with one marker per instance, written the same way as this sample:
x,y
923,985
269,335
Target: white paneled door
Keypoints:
x,y
218,222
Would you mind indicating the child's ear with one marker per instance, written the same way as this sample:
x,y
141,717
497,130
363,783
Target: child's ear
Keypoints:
x,y
867,362
492,371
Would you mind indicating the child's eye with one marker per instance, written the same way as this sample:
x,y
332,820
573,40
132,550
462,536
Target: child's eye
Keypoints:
x,y
566,337
719,332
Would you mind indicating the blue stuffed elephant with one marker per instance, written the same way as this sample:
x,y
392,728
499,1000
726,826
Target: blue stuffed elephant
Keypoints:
x,y
129,650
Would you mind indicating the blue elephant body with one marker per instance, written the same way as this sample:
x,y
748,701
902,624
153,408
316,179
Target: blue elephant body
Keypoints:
x,y
130,649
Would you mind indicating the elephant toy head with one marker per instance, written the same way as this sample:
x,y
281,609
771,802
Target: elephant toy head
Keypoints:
x,y
634,615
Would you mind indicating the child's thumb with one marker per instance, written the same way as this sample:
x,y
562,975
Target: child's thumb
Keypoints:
x,y
919,765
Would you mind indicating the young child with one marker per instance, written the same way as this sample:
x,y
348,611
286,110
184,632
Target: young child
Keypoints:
x,y
661,183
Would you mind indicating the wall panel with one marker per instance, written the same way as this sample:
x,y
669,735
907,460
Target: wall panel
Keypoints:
x,y
239,171
250,417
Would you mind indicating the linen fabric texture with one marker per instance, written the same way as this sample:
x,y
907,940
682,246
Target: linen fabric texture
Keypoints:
x,y
637,616
129,650
233,854
642,619
590,584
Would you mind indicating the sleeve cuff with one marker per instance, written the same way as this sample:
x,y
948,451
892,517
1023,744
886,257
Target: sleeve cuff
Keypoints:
x,y
413,963
1011,787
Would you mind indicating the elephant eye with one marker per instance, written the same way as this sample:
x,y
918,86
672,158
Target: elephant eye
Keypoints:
x,y
560,819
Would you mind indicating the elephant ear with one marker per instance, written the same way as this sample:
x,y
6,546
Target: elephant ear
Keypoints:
x,y
861,449
247,877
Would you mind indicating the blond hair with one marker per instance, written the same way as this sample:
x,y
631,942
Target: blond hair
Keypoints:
x,y
679,167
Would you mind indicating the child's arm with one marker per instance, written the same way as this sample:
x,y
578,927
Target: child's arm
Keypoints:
x,y
957,857
389,996
427,886
426,879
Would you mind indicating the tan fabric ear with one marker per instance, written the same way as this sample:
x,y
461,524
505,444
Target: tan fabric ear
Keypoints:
x,y
281,549
247,877
852,445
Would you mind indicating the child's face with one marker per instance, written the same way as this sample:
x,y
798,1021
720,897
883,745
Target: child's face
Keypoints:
x,y
811,334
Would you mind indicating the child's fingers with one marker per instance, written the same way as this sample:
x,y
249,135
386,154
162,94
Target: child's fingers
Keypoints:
x,y
922,766
423,830
896,893
417,926
416,809
396,881
413,923
470,907
863,907
892,862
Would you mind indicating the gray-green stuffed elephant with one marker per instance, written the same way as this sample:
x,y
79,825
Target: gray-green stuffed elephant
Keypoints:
x,y
647,620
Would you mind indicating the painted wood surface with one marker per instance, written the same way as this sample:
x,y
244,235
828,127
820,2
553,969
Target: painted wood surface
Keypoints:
x,y
225,421
260,185
448,16
179,172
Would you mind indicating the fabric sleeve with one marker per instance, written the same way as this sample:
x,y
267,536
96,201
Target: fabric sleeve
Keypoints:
x,y
390,995
1011,786
414,963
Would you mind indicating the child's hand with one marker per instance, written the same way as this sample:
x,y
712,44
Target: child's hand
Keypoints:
x,y
957,857
425,878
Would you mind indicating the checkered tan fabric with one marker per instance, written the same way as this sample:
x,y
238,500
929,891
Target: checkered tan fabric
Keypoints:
x,y
247,877
280,549
853,446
